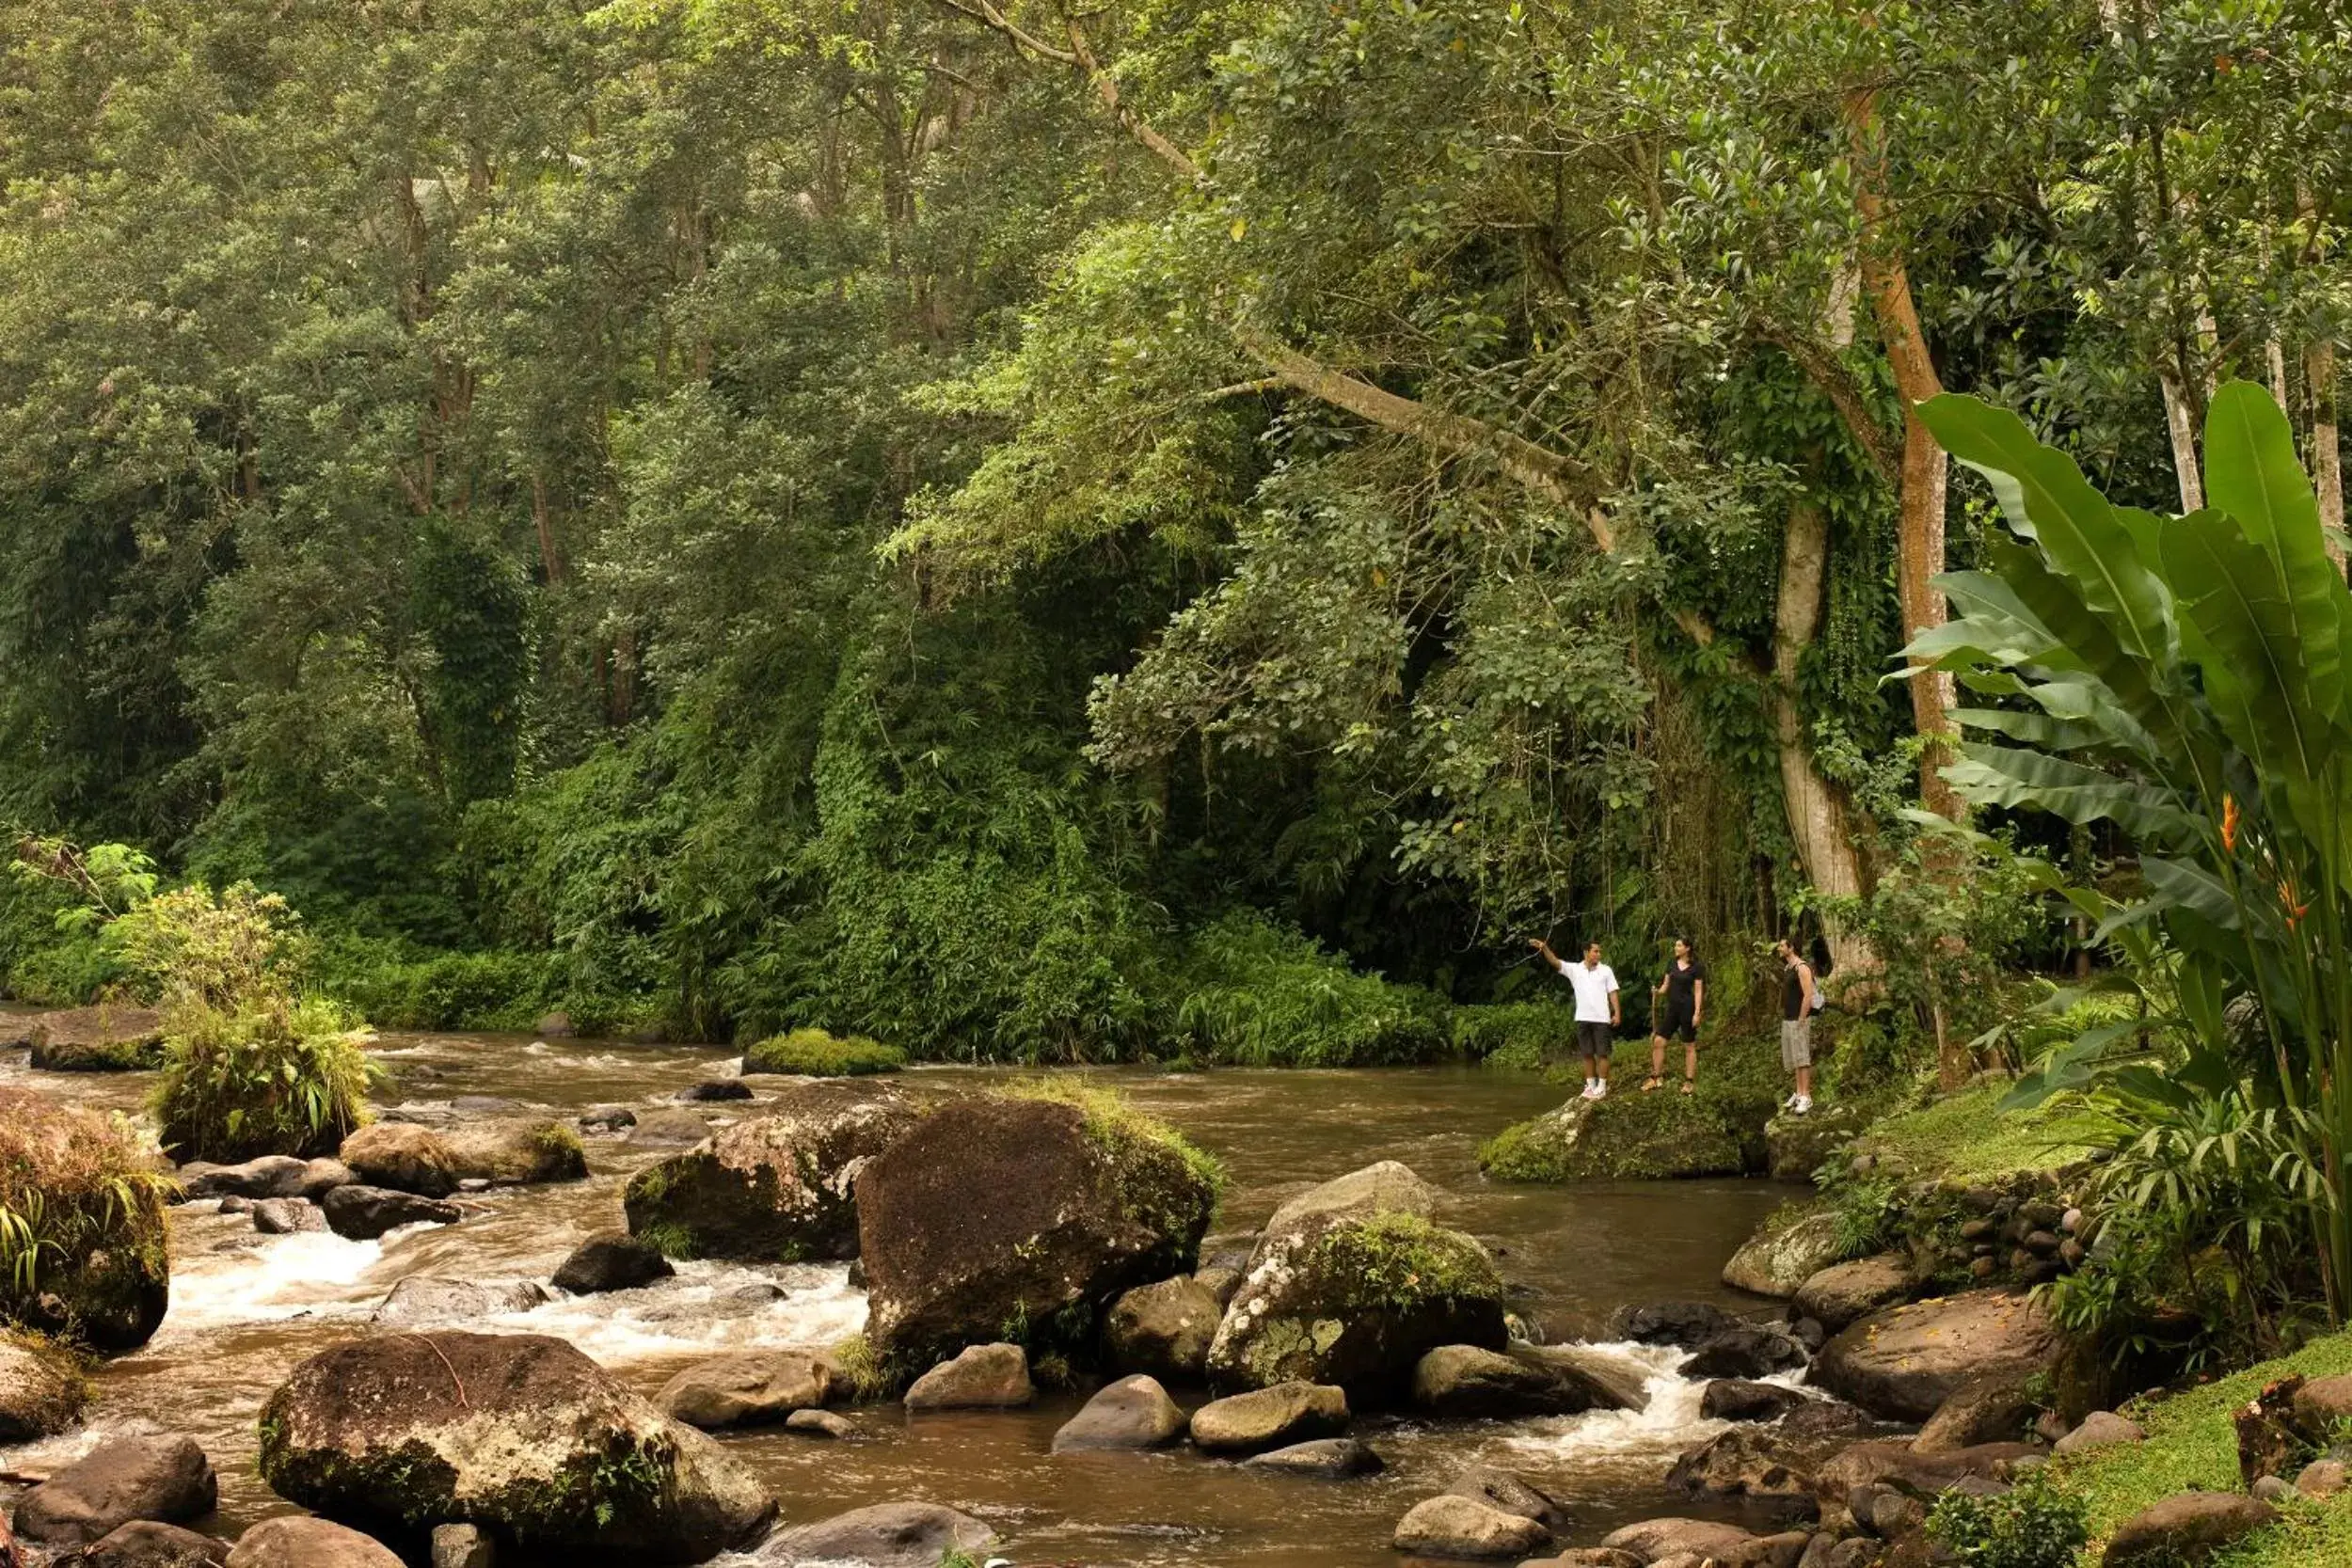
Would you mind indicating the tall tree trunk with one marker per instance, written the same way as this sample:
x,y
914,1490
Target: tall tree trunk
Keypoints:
x,y
1921,531
2319,377
1818,819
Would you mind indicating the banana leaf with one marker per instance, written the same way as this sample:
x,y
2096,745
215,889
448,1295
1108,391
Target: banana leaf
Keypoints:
x,y
2007,776
2251,473
2258,677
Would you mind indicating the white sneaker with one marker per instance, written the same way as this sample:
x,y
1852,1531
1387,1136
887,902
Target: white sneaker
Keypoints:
x,y
1592,1090
1800,1105
1600,1090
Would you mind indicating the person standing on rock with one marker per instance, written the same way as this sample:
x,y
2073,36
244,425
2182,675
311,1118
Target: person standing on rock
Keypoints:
x,y
1677,1006
1800,998
1598,1012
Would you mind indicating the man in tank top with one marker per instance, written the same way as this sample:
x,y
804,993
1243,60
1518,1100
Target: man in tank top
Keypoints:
x,y
1597,1011
1800,996
1677,1006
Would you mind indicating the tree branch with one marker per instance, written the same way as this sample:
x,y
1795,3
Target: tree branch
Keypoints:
x,y
1837,384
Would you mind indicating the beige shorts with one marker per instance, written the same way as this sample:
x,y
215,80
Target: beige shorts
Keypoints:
x,y
1796,1043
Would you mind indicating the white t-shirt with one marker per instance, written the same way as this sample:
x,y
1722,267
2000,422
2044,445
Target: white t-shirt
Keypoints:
x,y
1593,986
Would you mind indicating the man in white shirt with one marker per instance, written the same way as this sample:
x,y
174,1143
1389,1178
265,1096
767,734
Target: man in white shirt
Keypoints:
x,y
1598,1013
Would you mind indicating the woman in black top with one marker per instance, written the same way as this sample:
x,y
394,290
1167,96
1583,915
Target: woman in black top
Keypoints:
x,y
1677,1006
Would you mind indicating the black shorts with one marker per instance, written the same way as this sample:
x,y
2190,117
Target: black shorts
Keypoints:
x,y
1674,1025
1594,1039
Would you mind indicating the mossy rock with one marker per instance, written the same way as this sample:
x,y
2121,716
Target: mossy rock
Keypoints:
x,y
815,1054
1624,1137
86,1187
1357,1300
777,1188
43,1389
1790,1246
104,1039
1020,1217
1799,1145
518,1432
517,1150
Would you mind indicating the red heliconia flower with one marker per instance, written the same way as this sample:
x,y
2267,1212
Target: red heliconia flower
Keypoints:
x,y
2228,824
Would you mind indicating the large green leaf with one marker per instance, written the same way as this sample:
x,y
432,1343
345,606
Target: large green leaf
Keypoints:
x,y
2047,500
2021,780
2251,473
2256,666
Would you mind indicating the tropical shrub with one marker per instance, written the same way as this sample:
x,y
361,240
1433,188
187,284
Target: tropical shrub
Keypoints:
x,y
815,1054
276,1078
2184,680
2034,1525
196,948
1251,992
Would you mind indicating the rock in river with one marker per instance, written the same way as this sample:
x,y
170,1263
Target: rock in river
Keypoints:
x,y
145,1543
422,1299
401,1157
1325,1458
889,1535
308,1543
42,1390
1344,1295
979,1377
361,1213
518,1432
1271,1417
1451,1526
997,1209
1784,1254
1133,1412
106,1039
1904,1362
1844,1291
610,1263
1466,1380
779,1187
1732,1399
515,1150
1163,1330
746,1389
164,1478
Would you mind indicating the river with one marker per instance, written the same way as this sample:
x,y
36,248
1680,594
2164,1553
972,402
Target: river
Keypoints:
x,y
246,1307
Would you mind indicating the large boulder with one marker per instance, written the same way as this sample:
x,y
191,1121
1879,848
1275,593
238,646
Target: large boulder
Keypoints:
x,y
42,1390
1994,1409
1133,1412
403,1157
1655,1539
518,1432
779,1187
1844,1291
1384,1187
299,1543
146,1543
1265,1418
1784,1252
1626,1137
1163,1330
887,1535
362,1213
998,1211
748,1387
610,1263
1878,1463
1904,1362
106,1039
978,1377
1344,1293
104,1279
164,1478
1468,1380
515,1150
1797,1146
1451,1525
424,1299
264,1177
1502,1489
1772,1464
2185,1530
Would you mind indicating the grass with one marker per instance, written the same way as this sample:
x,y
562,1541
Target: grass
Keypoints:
x,y
1967,1137
2192,1445
815,1054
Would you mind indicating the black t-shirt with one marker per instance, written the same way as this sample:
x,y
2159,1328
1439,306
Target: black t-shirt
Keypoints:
x,y
1680,985
1793,996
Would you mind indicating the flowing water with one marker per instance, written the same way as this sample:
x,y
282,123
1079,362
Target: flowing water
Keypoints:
x,y
246,1307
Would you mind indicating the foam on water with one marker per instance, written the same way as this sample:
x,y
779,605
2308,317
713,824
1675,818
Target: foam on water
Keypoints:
x,y
1623,1439
310,1273
703,1308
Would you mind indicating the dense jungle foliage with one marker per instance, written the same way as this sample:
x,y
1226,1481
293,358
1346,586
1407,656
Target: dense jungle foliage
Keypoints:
x,y
1029,533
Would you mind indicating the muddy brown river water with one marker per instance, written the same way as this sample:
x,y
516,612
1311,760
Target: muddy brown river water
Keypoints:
x,y
246,1307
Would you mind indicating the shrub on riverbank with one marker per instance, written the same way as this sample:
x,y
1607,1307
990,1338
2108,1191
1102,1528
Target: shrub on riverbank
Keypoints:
x,y
278,1078
1253,993
83,1250
815,1054
400,986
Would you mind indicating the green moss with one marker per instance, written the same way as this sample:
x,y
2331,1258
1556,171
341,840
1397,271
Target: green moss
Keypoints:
x,y
2193,1445
1123,1132
1966,1137
1401,1262
559,1144
1631,1136
815,1054
869,1376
